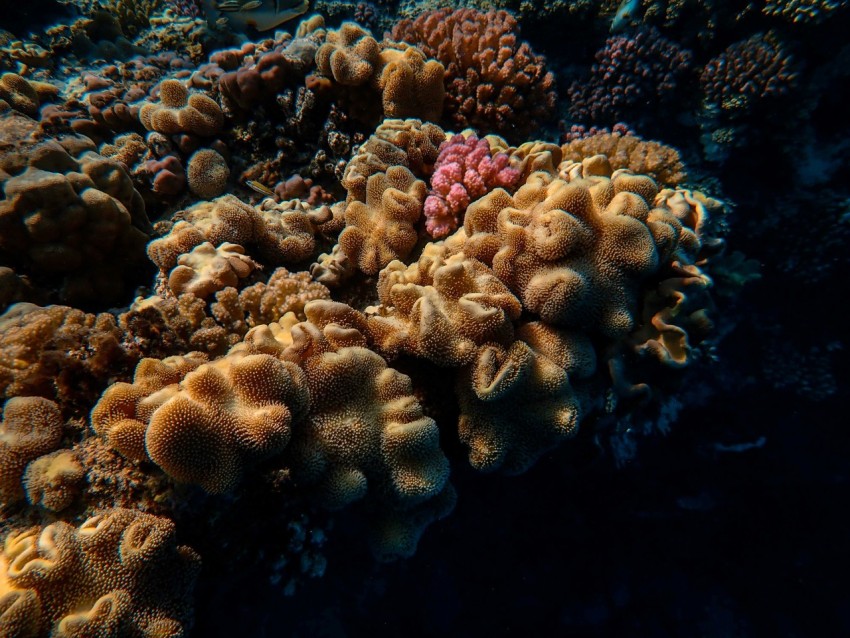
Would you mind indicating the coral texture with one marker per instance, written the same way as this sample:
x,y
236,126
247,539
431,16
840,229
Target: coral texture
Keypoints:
x,y
493,82
31,427
631,75
120,573
70,213
207,424
466,169
180,112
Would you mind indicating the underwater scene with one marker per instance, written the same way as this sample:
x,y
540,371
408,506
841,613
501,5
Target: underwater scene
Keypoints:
x,y
424,318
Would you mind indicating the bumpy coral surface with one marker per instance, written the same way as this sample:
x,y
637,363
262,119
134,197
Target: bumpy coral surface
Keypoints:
x,y
120,573
31,427
574,251
493,81
466,169
71,214
208,426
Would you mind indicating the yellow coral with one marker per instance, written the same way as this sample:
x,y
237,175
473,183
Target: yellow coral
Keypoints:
x,y
119,573
207,269
180,112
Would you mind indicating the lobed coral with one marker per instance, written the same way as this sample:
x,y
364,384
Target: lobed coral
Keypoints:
x,y
180,112
31,427
66,213
409,84
119,573
206,423
59,353
493,82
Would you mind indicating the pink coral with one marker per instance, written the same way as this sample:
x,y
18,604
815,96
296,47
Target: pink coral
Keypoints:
x,y
466,169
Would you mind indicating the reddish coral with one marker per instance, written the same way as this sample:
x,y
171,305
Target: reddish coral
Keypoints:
x,y
631,74
466,169
493,82
746,73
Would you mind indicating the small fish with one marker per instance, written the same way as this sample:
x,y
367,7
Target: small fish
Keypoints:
x,y
259,14
222,22
625,15
228,5
260,188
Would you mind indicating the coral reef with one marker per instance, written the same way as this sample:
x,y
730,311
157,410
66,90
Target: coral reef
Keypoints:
x,y
631,74
493,82
121,572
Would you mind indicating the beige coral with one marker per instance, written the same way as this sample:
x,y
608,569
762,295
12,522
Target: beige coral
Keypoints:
x,y
54,480
58,352
284,292
180,112
280,233
381,228
207,173
442,308
517,402
574,251
204,426
31,427
120,573
206,269
366,434
409,84
409,143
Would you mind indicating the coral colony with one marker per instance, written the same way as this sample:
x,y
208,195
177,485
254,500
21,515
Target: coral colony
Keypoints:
x,y
256,278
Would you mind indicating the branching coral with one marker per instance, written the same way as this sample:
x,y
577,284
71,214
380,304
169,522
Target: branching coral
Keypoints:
x,y
119,573
466,169
631,74
493,82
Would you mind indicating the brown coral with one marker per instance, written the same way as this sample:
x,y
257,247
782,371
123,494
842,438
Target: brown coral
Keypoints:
x,y
119,573
575,252
655,159
366,435
53,481
493,82
518,402
206,269
207,173
59,353
281,233
72,215
409,84
442,308
180,112
409,143
31,427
